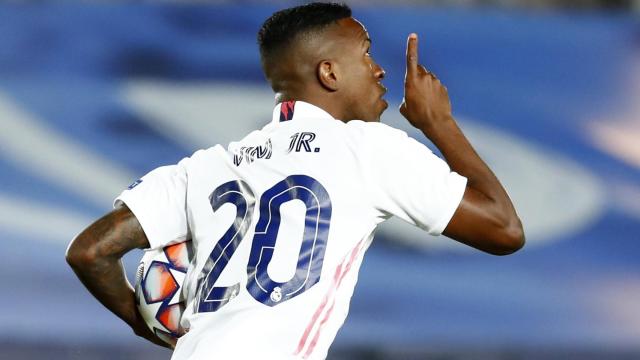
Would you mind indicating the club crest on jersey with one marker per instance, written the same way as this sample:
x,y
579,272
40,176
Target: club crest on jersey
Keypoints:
x,y
286,110
250,153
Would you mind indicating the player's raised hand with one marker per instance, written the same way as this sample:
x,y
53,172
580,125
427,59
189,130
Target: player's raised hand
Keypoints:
x,y
426,101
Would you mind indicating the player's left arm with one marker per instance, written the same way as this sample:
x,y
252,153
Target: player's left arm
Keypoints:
x,y
95,255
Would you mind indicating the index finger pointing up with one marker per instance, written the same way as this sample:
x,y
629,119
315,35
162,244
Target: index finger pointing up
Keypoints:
x,y
412,54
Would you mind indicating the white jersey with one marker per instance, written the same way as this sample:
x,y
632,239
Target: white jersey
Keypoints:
x,y
280,222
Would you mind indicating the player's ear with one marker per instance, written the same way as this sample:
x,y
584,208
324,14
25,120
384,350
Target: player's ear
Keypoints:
x,y
327,72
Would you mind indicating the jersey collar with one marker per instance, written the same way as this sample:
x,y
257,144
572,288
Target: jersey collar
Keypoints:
x,y
292,110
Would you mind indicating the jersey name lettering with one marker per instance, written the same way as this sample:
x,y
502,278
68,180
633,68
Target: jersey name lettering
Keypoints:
x,y
302,140
251,153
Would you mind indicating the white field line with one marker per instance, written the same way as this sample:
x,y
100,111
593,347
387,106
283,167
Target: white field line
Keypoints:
x,y
42,221
38,149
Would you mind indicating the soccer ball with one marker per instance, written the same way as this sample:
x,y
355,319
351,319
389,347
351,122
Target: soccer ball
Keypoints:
x,y
158,289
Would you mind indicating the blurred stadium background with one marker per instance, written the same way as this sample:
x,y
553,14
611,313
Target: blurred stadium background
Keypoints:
x,y
95,94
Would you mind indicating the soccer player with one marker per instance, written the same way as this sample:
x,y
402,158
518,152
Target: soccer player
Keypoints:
x,y
281,219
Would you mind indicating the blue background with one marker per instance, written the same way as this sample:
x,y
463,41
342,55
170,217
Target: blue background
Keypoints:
x,y
553,81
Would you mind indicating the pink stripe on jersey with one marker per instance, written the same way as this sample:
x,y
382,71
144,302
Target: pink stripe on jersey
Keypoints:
x,y
333,302
317,336
303,340
337,279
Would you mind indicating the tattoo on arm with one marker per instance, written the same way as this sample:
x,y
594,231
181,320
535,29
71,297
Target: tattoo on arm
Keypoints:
x,y
95,256
118,232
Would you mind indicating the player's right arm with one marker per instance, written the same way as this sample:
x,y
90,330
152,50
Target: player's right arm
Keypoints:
x,y
95,256
486,218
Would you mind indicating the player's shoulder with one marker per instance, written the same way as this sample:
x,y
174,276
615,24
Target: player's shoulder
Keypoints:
x,y
255,136
222,152
202,156
374,132
374,127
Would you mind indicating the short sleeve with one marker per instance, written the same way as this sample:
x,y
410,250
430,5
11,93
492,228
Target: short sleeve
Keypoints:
x,y
158,200
409,181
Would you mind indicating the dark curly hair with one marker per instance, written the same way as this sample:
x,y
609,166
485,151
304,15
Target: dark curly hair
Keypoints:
x,y
283,27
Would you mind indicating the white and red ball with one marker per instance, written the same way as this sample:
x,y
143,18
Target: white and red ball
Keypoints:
x,y
158,289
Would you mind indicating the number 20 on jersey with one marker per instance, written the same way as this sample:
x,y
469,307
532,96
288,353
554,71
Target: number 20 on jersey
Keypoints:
x,y
210,297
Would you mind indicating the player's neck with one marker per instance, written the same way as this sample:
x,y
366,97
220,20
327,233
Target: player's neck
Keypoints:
x,y
323,102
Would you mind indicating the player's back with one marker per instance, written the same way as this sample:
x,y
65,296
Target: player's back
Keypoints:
x,y
280,220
